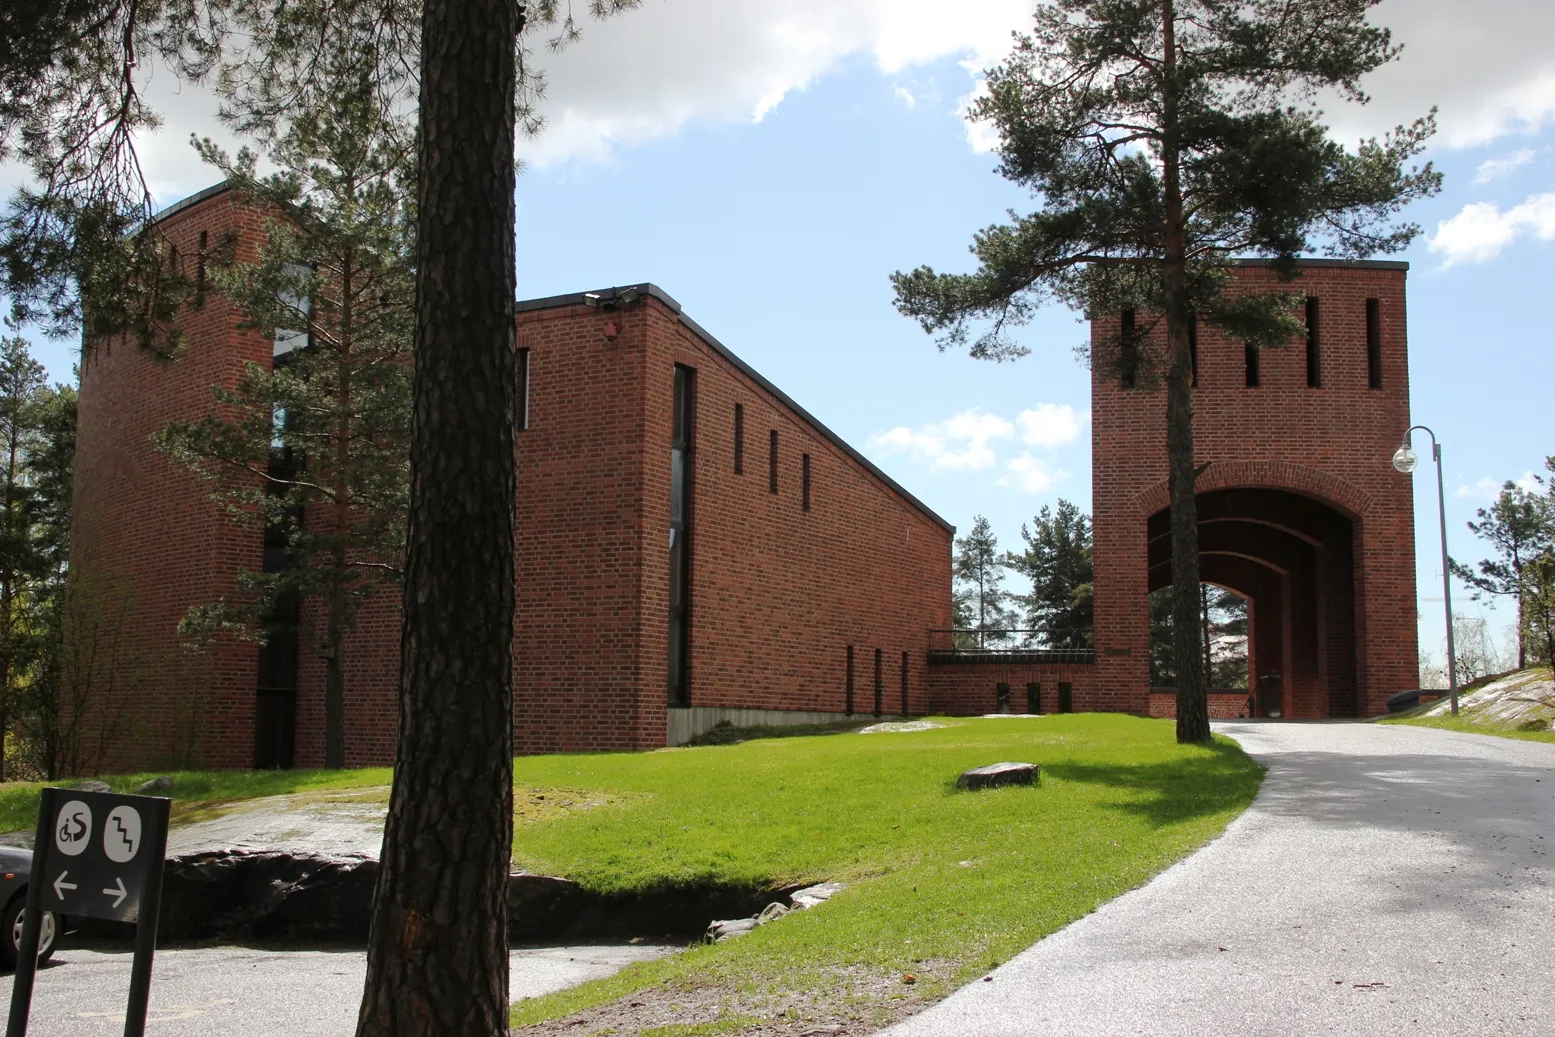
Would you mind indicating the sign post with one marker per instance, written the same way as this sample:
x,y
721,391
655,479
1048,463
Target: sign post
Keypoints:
x,y
96,855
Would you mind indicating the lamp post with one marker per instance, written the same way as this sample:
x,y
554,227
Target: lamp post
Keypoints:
x,y
1405,460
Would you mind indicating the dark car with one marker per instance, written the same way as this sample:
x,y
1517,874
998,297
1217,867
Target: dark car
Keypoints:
x,y
15,870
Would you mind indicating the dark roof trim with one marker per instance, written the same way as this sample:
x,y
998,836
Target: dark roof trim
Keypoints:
x,y
577,299
193,200
1353,264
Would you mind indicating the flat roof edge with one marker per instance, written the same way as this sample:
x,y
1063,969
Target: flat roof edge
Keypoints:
x,y
654,291
1356,264
189,202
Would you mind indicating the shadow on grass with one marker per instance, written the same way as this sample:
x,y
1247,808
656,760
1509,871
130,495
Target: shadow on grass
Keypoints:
x,y
1173,791
727,734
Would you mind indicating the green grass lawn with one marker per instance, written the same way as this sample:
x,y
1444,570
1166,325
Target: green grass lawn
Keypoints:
x,y
193,790
943,884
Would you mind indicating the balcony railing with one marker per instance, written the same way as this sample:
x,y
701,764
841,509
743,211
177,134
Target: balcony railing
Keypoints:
x,y
1027,646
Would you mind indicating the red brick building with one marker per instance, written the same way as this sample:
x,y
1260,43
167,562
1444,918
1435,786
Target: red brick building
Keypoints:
x,y
1300,510
694,547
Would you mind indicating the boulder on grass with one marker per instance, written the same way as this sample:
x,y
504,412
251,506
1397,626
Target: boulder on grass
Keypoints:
x,y
92,785
996,774
155,785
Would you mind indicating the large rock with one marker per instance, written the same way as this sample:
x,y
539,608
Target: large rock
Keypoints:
x,y
155,786
996,774
233,894
92,785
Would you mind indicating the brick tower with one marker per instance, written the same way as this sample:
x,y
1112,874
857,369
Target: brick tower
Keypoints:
x,y
1300,510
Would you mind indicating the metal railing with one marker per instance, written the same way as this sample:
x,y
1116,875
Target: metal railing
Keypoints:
x,y
1064,646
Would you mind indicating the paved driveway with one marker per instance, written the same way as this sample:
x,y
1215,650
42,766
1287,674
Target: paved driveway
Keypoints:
x,y
1386,881
243,992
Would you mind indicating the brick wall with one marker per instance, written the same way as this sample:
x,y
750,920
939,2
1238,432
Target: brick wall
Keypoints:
x,y
148,542
972,688
1331,444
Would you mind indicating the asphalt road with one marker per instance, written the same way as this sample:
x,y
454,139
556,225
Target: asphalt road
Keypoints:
x,y
227,991
1386,881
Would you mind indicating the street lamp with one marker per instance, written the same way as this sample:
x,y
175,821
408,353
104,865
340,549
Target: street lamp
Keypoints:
x,y
1405,460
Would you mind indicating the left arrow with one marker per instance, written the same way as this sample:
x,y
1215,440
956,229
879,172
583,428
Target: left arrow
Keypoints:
x,y
60,885
121,891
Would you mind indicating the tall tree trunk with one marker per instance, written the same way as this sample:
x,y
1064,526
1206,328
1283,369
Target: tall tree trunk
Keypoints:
x,y
334,664
437,957
1192,702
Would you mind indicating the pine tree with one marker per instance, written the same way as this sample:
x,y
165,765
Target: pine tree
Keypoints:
x,y
22,565
1163,138
978,566
1519,526
315,451
1057,561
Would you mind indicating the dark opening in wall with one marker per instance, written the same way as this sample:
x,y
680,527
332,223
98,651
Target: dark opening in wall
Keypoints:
x,y
1001,697
1250,355
1128,351
1065,697
1374,343
772,464
1193,346
1034,697
879,681
681,464
805,473
739,439
848,707
1314,361
199,272
521,395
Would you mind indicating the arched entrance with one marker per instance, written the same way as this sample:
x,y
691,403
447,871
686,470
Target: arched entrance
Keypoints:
x,y
1292,557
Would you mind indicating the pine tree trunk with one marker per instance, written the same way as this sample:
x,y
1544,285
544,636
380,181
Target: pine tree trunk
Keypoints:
x,y
437,959
1192,702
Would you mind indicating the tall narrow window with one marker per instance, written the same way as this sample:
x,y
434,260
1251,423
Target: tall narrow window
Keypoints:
x,y
1193,346
772,464
680,537
1374,343
1250,353
1034,697
521,393
1128,351
1314,361
805,480
849,704
904,684
1001,697
739,439
199,272
879,681
297,302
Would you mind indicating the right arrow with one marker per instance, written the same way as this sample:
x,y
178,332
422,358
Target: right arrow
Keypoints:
x,y
60,885
121,891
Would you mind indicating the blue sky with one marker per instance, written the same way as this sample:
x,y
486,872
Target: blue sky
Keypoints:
x,y
770,168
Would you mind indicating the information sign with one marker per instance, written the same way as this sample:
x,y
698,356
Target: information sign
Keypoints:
x,y
96,855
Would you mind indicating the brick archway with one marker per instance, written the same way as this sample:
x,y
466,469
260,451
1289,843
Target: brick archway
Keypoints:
x,y
1274,475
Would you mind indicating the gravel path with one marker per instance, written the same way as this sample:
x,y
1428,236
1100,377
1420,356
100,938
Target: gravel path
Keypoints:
x,y
244,992
1386,880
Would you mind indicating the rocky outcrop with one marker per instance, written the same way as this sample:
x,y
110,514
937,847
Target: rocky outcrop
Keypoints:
x,y
798,900
270,895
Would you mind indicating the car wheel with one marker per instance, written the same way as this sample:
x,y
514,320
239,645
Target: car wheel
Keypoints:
x,y
11,922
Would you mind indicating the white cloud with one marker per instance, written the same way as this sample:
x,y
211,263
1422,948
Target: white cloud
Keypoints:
x,y
647,73
1493,168
906,96
1486,487
1490,489
961,443
1481,230
1030,474
1049,424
